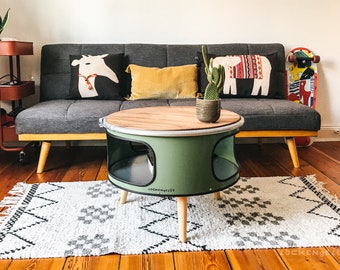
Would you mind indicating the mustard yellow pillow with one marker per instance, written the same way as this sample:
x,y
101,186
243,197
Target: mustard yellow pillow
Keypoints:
x,y
163,83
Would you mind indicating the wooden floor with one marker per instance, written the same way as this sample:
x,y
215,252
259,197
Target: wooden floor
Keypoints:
x,y
89,163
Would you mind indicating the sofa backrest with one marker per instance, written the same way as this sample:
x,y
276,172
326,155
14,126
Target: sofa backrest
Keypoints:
x,y
56,70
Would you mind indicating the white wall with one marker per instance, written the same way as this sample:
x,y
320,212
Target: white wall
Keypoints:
x,y
314,24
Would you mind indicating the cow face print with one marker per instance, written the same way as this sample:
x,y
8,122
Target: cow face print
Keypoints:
x,y
95,76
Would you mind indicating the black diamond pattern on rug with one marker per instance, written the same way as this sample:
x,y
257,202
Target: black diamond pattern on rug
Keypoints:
x,y
273,239
240,218
100,214
238,189
85,245
255,202
105,189
246,214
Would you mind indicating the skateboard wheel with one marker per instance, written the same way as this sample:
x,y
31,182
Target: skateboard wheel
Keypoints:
x,y
292,58
316,59
303,141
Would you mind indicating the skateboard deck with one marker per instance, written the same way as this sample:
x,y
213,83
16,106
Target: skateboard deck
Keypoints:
x,y
302,81
302,76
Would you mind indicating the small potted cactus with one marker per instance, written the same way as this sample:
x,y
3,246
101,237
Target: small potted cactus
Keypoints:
x,y
208,107
3,21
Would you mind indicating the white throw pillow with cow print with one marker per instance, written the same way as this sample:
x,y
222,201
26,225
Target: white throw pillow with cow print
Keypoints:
x,y
247,75
95,76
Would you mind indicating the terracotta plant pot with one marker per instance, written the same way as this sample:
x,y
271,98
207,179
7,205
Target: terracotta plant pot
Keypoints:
x,y
208,110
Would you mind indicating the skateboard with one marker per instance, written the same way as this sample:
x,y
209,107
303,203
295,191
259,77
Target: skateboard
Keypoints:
x,y
302,81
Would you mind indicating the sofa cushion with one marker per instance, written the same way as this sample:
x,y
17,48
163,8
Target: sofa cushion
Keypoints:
x,y
95,76
247,75
69,116
65,116
273,114
163,83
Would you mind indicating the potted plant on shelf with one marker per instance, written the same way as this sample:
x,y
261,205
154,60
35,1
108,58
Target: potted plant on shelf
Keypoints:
x,y
3,21
208,107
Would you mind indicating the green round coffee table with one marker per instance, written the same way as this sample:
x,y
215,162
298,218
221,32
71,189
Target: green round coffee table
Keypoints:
x,y
166,151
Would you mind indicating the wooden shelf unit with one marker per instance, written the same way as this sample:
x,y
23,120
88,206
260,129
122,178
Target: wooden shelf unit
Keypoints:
x,y
12,48
14,90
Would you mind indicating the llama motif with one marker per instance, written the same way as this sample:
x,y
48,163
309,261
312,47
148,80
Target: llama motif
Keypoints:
x,y
89,68
254,67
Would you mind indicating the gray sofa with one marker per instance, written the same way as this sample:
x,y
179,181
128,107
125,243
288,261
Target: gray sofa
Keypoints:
x,y
59,117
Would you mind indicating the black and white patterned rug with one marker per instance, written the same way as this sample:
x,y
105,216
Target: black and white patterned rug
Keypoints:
x,y
85,218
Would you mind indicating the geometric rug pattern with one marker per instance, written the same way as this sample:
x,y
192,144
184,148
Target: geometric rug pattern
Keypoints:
x,y
61,219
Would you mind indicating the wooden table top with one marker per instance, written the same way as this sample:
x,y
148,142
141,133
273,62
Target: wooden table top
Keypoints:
x,y
167,119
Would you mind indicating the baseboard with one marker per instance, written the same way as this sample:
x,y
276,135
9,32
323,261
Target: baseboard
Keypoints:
x,y
327,134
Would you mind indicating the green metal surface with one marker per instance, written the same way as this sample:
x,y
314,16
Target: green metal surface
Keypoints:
x,y
182,166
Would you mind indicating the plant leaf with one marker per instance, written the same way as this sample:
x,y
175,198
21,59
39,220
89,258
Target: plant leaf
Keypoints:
x,y
4,20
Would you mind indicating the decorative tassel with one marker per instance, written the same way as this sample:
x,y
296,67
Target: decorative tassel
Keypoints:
x,y
9,202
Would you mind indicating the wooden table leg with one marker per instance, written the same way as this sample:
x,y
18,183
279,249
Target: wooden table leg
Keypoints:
x,y
217,195
123,196
182,218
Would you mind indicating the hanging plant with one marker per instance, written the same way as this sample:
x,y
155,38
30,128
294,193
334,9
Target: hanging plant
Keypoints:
x,y
3,21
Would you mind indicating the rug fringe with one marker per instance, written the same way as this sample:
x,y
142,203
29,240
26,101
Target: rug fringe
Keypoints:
x,y
15,193
9,202
321,185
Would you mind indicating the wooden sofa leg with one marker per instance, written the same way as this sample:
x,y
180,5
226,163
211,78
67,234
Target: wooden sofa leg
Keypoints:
x,y
45,148
293,152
